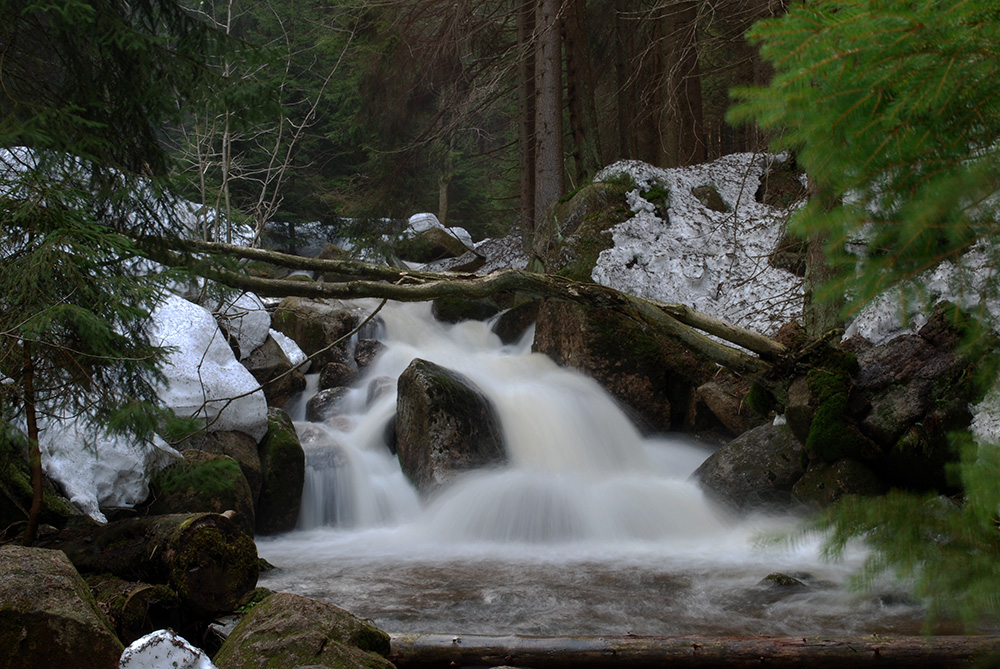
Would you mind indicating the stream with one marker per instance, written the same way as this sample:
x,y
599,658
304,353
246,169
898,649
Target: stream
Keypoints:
x,y
590,528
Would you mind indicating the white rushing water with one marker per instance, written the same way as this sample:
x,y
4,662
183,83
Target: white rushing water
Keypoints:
x,y
589,529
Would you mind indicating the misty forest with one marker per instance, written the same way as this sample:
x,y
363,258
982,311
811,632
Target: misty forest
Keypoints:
x,y
523,333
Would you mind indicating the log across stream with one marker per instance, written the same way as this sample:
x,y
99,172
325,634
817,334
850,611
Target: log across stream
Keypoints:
x,y
432,651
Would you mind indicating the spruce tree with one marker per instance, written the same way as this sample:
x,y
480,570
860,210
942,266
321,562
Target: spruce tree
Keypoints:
x,y
891,107
85,86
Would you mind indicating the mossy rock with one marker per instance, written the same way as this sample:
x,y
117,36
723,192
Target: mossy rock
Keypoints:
x,y
833,433
203,482
16,491
48,616
573,233
825,483
282,463
286,630
316,326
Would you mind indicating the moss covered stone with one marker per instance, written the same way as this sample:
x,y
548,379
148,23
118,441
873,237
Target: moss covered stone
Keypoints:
x,y
203,482
286,630
283,464
48,616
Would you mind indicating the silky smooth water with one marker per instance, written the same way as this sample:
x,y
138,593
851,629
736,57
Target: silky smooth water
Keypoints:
x,y
589,528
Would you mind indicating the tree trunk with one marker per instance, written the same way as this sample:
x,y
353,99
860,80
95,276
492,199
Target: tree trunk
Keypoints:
x,y
205,558
580,94
426,651
675,321
682,130
34,450
526,125
548,108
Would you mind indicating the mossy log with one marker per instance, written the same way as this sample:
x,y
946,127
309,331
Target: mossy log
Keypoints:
x,y
204,557
426,651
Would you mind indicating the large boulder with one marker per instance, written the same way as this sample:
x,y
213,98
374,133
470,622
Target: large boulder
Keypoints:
x,y
286,630
316,325
273,370
283,465
755,471
203,482
653,377
444,425
48,618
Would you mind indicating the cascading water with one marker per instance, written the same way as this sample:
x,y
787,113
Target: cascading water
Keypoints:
x,y
589,528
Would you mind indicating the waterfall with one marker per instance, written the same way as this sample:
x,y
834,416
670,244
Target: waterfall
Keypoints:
x,y
589,527
578,469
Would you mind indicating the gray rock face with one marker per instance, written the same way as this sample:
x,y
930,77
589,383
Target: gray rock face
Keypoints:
x,y
756,470
48,618
444,425
286,630
315,325
272,369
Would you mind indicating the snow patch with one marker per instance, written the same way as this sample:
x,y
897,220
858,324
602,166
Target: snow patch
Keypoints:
x,y
715,262
204,378
163,650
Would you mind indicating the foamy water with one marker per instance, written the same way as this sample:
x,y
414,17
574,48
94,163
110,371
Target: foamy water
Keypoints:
x,y
590,528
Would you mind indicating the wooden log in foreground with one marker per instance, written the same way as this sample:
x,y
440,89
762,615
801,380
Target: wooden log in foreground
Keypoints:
x,y
205,558
425,651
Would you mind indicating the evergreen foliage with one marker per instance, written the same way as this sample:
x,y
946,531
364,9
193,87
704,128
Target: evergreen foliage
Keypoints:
x,y
891,108
87,86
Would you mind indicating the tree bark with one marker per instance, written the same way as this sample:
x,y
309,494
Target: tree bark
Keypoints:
x,y
548,108
205,558
427,651
580,94
526,125
34,450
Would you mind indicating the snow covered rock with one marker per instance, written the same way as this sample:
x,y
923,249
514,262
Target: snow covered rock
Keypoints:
x,y
163,650
204,378
245,319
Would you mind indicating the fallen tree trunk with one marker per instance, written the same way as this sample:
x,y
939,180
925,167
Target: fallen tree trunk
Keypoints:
x,y
676,321
428,651
204,557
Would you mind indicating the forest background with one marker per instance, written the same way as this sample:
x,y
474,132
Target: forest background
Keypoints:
x,y
484,112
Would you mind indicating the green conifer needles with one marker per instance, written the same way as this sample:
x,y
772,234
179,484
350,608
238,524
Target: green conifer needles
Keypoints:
x,y
891,106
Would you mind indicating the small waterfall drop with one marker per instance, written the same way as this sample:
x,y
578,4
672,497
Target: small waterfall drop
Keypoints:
x,y
589,528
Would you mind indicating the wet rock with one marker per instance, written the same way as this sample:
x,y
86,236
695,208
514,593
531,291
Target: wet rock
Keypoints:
x,y
654,378
282,463
366,351
273,370
325,404
286,630
455,310
48,618
757,470
444,425
336,374
725,397
513,323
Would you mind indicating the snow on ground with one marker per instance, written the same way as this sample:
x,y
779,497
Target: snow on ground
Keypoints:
x,y
715,262
98,470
